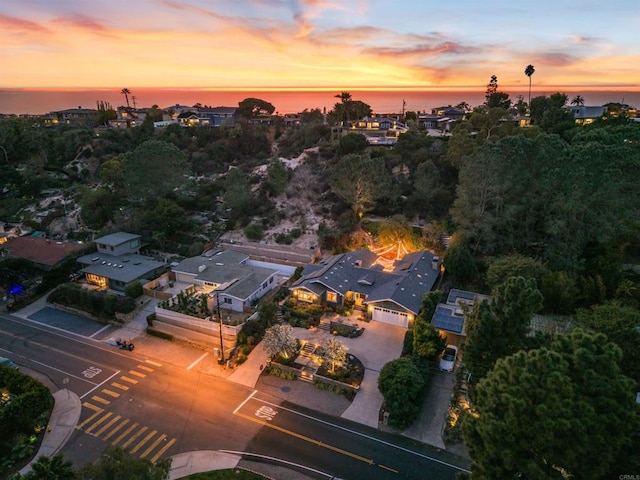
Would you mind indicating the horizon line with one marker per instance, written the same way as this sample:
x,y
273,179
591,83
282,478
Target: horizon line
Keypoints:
x,y
455,88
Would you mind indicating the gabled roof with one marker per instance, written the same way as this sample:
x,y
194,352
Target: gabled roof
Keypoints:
x,y
40,250
582,112
405,285
227,269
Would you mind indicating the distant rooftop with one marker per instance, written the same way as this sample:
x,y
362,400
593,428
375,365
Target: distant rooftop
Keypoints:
x,y
117,238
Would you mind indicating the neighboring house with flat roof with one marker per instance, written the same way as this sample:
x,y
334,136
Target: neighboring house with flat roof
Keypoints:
x,y
118,243
43,252
449,317
387,292
236,283
118,262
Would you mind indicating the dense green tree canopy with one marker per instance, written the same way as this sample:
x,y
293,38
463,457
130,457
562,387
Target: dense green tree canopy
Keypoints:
x,y
154,169
360,181
499,328
560,412
401,383
546,197
253,107
427,341
621,325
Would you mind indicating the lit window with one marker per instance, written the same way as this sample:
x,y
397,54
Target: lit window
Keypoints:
x,y
332,297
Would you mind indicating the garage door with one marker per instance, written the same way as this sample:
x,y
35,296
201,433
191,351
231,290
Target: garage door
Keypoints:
x,y
392,317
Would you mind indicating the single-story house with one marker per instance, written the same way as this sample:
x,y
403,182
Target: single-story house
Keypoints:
x,y
449,317
585,115
236,283
43,252
388,292
118,262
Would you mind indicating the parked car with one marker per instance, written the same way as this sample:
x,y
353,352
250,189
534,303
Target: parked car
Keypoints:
x,y
8,363
448,358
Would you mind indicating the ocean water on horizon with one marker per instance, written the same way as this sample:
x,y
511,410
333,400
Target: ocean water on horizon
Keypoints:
x,y
37,102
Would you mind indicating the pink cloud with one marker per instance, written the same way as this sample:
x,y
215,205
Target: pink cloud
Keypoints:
x,y
18,24
422,50
554,59
82,21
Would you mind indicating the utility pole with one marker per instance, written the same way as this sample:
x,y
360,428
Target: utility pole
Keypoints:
x,y
220,360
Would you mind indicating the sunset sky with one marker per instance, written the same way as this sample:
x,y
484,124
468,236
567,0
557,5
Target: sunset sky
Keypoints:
x,y
241,44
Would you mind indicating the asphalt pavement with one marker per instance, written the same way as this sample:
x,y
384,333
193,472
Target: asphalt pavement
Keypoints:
x,y
379,344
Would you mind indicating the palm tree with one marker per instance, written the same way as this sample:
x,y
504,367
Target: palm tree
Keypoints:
x,y
578,101
126,92
528,72
345,99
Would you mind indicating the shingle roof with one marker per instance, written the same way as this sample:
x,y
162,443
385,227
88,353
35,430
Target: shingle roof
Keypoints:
x,y
357,271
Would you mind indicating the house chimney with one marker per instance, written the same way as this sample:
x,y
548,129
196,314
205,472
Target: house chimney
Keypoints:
x,y
435,263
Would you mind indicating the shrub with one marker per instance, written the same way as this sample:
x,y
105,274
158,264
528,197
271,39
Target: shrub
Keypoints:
x,y
133,290
254,231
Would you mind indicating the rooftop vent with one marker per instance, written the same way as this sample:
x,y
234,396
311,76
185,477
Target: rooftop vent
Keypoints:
x,y
202,268
95,259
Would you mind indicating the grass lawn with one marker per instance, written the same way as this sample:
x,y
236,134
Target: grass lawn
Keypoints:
x,y
231,473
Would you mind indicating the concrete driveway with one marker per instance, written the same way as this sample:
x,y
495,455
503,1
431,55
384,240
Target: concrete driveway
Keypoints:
x,y
379,344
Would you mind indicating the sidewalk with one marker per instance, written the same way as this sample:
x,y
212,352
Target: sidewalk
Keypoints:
x,y
379,344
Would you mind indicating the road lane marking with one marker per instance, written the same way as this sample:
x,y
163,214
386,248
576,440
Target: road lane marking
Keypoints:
x,y
99,331
146,369
100,400
356,433
127,379
307,439
143,441
93,407
98,422
64,371
153,446
116,430
135,436
110,393
197,360
136,374
90,418
163,450
100,384
108,425
151,362
387,468
120,386
246,400
124,434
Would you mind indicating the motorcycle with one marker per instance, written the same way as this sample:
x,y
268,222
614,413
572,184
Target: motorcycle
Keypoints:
x,y
124,344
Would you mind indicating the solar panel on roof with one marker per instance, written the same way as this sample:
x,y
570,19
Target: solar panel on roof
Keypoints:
x,y
444,319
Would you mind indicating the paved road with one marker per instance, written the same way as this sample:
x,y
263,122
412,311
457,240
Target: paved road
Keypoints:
x,y
155,408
